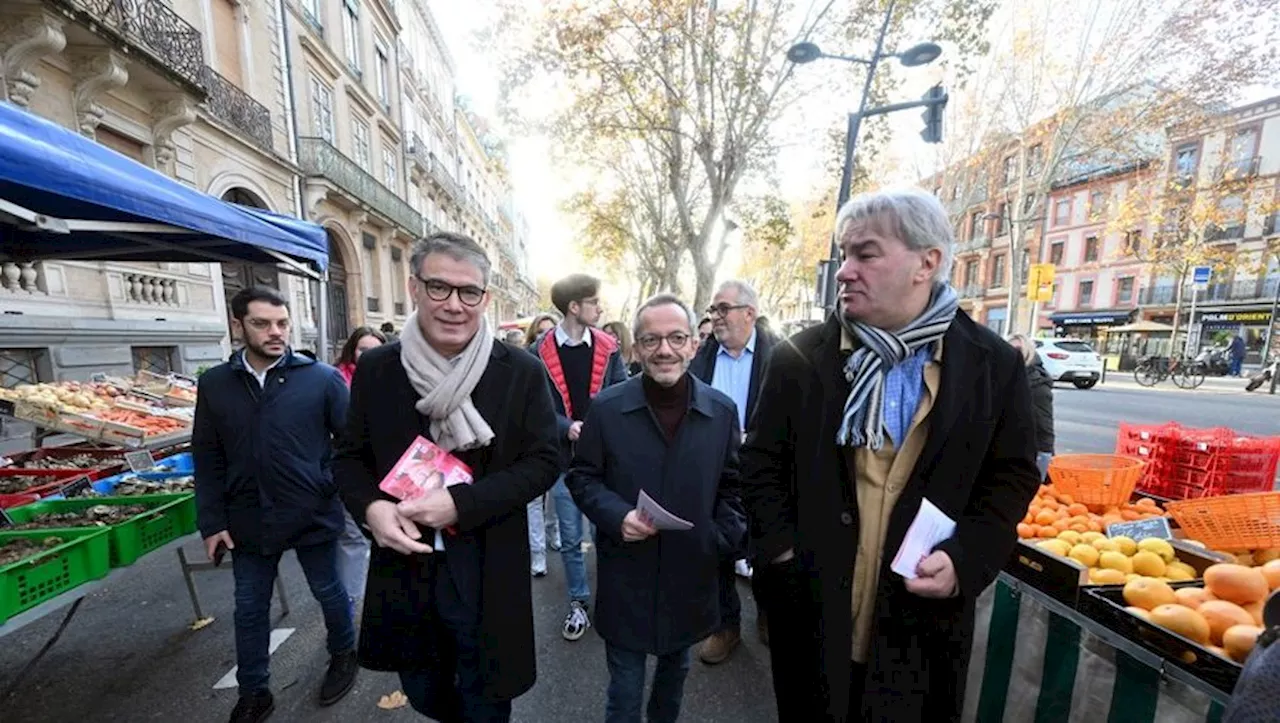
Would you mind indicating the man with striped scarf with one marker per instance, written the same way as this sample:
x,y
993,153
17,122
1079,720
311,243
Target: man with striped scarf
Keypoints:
x,y
900,398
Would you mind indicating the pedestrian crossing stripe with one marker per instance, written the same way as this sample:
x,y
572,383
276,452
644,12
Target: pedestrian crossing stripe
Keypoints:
x,y
1032,664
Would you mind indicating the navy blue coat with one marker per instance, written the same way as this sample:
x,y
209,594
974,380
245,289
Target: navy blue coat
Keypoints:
x,y
659,595
262,454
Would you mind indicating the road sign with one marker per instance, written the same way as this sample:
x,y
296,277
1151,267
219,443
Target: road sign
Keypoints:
x,y
1040,282
1200,277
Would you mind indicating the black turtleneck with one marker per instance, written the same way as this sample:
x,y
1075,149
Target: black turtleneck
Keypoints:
x,y
669,404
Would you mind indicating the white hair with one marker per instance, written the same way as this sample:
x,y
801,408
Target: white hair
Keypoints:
x,y
663,300
916,215
746,295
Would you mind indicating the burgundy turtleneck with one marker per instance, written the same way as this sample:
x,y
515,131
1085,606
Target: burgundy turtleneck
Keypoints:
x,y
669,404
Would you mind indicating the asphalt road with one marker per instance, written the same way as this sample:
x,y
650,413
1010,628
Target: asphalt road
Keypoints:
x,y
129,654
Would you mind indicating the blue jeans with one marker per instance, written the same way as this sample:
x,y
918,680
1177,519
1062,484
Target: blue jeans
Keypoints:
x,y
1235,367
452,690
626,686
255,576
353,558
575,566
537,535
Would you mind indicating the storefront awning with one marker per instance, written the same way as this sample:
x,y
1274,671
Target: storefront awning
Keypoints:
x,y
64,196
1102,317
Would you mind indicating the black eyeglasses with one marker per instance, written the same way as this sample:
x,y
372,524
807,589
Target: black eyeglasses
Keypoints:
x,y
723,309
438,290
650,342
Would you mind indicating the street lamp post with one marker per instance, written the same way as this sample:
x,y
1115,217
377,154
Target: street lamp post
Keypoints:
x,y
920,54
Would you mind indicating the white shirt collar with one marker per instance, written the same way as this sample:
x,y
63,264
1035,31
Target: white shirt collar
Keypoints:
x,y
563,339
750,347
261,376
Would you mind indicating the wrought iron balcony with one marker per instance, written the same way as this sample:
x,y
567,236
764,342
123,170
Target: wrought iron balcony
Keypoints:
x,y
1223,233
1238,169
445,180
418,153
320,159
237,108
1244,290
150,27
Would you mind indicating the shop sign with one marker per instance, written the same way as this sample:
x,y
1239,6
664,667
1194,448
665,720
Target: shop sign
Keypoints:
x,y
1238,317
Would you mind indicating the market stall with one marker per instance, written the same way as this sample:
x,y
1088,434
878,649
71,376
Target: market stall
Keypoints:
x,y
1123,346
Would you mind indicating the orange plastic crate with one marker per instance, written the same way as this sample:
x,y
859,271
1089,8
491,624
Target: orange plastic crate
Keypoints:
x,y
1105,480
1233,522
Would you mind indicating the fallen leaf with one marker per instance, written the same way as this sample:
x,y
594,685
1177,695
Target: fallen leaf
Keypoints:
x,y
202,623
393,701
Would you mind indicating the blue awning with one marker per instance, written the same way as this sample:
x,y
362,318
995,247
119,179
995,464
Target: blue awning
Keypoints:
x,y
1101,317
62,195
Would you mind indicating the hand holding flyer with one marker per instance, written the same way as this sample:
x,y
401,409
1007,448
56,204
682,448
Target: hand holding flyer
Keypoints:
x,y
422,468
654,515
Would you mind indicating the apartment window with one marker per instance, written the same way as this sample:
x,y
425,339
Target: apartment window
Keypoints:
x,y
372,277
975,225
997,272
1055,254
1091,249
1024,266
410,116
351,32
1062,212
382,73
398,280
1243,146
1133,241
1010,169
120,143
1124,290
390,170
1184,160
1028,204
226,40
322,109
312,10
155,359
1002,219
971,273
1085,294
1035,159
360,143
1097,204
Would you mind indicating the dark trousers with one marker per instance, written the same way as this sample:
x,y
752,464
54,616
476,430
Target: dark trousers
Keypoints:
x,y
626,686
730,602
452,691
1236,366
255,576
795,643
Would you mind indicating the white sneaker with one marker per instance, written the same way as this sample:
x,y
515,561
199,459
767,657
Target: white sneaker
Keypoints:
x,y
742,568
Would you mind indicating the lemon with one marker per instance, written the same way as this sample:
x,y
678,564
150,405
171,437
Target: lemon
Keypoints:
x,y
1159,547
1125,545
1089,537
1148,563
1086,555
1070,536
1101,576
1057,547
1112,560
1105,545
1131,577
1181,568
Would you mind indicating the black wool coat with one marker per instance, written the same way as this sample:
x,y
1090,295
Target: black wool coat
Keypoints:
x,y
520,464
978,467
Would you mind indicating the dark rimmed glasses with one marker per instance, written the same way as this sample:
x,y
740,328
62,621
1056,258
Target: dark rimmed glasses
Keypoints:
x,y
650,342
438,290
722,309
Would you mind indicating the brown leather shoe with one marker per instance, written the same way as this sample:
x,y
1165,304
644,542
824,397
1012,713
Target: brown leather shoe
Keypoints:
x,y
717,648
762,627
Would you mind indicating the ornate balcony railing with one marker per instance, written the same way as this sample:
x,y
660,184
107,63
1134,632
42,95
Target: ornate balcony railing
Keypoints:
x,y
445,179
318,158
237,108
418,153
1259,289
151,27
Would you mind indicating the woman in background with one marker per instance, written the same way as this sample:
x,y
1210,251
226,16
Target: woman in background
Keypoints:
x,y
541,324
1041,399
544,526
361,340
353,546
622,335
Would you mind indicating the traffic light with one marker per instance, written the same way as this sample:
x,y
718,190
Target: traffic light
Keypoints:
x,y
936,100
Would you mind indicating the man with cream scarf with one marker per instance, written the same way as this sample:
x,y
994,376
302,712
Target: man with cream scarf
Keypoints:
x,y
448,604
899,398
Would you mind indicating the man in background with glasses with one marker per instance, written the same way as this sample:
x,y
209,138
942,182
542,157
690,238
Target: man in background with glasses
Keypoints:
x,y
261,447
733,361
669,436
581,360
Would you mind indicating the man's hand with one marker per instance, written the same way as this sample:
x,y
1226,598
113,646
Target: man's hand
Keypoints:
x,y
575,431
211,542
435,509
393,530
936,577
635,529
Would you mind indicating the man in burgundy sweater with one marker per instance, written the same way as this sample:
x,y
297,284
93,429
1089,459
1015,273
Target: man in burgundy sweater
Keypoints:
x,y
674,438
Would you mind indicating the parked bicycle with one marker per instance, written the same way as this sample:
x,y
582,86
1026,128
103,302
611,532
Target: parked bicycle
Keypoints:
x,y
1185,373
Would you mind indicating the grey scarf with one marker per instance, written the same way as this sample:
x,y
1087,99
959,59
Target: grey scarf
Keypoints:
x,y
444,386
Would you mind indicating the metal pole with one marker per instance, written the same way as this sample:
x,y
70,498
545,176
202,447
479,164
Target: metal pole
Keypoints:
x,y
1273,344
850,154
1191,321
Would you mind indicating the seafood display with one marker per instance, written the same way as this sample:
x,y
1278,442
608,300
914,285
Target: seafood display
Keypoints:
x,y
96,516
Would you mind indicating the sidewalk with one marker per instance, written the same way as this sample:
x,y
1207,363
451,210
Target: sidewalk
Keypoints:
x,y
1213,385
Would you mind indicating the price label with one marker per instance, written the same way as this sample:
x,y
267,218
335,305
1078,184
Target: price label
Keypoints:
x,y
76,487
1142,529
140,460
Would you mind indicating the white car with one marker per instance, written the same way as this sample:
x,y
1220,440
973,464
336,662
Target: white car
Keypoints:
x,y
1070,360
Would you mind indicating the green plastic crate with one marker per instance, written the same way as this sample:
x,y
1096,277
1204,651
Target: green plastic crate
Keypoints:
x,y
84,556
166,519
186,510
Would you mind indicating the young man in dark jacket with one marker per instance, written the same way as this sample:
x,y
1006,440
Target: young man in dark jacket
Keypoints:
x,y
261,445
676,439
581,360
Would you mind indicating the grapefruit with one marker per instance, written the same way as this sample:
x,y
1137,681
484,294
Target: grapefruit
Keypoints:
x,y
1221,615
1238,641
1182,620
1148,593
1236,583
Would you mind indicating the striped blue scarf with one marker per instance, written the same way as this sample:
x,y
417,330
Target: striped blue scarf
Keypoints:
x,y
880,351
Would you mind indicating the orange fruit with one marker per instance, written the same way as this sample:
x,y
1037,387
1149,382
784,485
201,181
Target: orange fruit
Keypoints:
x,y
1077,509
1221,615
1140,612
1191,597
1025,531
1148,593
1045,517
1271,571
1128,515
1065,499
1238,641
1147,502
1047,532
1255,609
1236,583
1182,620
1095,525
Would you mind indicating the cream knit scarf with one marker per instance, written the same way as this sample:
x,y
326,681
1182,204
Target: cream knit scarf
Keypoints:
x,y
444,387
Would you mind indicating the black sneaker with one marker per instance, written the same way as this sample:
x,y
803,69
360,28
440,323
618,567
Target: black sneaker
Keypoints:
x,y
254,707
576,622
340,677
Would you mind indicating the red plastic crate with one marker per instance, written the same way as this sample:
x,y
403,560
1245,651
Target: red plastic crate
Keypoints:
x,y
1193,463
7,501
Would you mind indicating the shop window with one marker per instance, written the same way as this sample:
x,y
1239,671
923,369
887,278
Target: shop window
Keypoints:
x,y
155,359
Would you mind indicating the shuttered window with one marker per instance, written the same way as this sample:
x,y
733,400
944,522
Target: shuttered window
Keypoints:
x,y
226,40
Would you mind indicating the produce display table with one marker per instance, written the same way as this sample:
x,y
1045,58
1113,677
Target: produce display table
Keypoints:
x,y
1035,659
